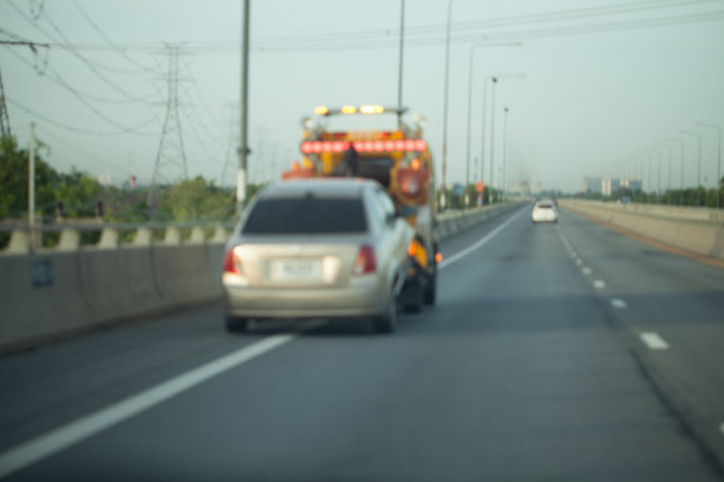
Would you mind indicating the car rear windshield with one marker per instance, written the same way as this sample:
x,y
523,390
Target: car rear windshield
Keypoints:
x,y
308,215
544,206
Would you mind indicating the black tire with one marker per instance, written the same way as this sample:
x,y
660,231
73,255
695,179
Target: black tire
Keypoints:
x,y
414,301
430,289
235,324
387,322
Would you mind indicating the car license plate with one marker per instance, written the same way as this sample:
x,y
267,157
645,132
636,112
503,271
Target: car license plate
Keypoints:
x,y
297,270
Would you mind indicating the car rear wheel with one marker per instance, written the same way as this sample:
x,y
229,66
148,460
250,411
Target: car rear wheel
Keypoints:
x,y
387,322
235,324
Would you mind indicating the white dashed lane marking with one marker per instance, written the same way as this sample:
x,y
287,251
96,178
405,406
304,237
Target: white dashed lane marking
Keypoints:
x,y
619,303
654,341
599,285
586,270
579,262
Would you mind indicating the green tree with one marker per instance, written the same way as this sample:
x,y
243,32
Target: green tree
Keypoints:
x,y
14,181
79,193
194,199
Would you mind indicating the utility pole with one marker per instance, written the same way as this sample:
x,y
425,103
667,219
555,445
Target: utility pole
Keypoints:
x,y
4,118
31,185
399,76
244,151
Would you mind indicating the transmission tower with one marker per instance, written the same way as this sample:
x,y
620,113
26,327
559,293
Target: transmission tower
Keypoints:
x,y
171,156
4,118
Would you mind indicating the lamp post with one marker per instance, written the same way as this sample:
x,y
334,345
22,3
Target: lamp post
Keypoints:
x,y
718,161
483,144
681,144
471,57
445,102
698,166
492,122
505,152
399,75
668,146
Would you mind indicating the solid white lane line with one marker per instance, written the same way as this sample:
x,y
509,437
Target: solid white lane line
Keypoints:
x,y
721,428
619,303
586,270
599,284
654,341
458,256
61,438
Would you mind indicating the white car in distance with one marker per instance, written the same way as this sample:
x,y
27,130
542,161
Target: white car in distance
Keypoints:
x,y
545,212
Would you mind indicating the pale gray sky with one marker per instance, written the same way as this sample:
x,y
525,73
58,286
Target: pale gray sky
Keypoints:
x,y
610,79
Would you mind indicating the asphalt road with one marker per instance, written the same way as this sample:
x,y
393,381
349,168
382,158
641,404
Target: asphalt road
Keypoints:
x,y
531,367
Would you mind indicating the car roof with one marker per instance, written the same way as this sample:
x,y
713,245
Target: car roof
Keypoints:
x,y
328,187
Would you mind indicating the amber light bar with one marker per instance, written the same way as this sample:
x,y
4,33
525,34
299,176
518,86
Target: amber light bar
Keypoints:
x,y
317,147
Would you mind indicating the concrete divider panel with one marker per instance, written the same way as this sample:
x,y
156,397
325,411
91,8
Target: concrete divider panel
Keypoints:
x,y
40,296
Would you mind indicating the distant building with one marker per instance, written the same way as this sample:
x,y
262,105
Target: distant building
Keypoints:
x,y
610,186
631,184
592,185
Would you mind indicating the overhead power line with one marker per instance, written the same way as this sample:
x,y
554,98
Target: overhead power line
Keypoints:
x,y
107,39
79,130
46,132
69,47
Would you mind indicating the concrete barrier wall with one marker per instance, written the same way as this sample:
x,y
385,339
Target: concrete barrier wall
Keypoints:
x,y
55,292
453,222
700,231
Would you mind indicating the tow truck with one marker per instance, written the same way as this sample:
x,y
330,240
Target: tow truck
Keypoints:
x,y
400,161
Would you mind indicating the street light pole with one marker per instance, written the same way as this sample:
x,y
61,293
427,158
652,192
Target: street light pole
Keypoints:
x,y
698,167
399,76
445,102
505,152
681,144
483,144
718,161
471,58
492,135
668,146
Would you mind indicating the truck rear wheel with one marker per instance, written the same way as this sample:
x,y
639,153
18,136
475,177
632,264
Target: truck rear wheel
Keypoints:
x,y
431,289
387,322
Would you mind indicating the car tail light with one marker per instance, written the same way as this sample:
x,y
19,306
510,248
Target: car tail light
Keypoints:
x,y
412,249
366,261
232,261
438,258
